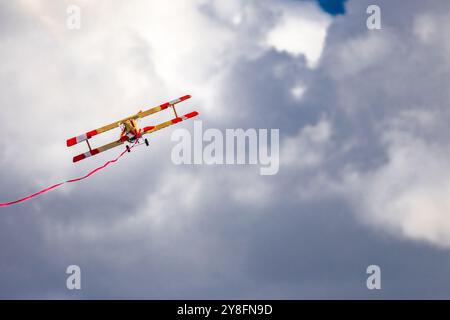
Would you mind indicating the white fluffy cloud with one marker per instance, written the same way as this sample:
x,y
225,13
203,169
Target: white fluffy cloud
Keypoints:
x,y
391,87
301,30
409,194
308,148
70,81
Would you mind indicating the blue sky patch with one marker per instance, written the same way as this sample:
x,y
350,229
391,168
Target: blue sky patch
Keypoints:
x,y
333,7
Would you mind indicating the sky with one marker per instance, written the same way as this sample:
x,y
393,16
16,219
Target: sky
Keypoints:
x,y
333,7
364,150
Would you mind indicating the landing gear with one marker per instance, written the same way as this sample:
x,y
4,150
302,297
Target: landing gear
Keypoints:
x,y
146,142
128,149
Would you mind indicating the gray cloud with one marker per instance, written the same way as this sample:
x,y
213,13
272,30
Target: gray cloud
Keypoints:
x,y
145,228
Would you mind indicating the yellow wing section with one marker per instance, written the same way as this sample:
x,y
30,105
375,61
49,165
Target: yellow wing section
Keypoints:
x,y
163,106
151,129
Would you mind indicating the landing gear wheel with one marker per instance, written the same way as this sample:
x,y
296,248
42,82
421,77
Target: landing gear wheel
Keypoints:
x,y
128,148
146,142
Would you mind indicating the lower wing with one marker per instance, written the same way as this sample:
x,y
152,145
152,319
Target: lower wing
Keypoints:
x,y
98,150
151,129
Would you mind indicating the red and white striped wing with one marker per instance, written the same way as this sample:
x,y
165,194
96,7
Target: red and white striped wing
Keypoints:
x,y
98,150
75,140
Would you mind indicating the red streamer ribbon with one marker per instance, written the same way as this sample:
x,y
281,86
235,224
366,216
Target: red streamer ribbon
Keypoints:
x,y
68,181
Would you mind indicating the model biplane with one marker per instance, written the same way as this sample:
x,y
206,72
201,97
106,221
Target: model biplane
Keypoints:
x,y
130,132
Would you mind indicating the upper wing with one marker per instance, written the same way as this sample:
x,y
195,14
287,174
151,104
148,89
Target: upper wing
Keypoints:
x,y
75,140
163,106
98,150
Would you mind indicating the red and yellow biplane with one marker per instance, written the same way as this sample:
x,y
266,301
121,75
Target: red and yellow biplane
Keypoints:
x,y
129,129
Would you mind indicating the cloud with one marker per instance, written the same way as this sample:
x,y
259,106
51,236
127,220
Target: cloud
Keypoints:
x,y
363,140
308,148
357,55
407,195
390,93
301,31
